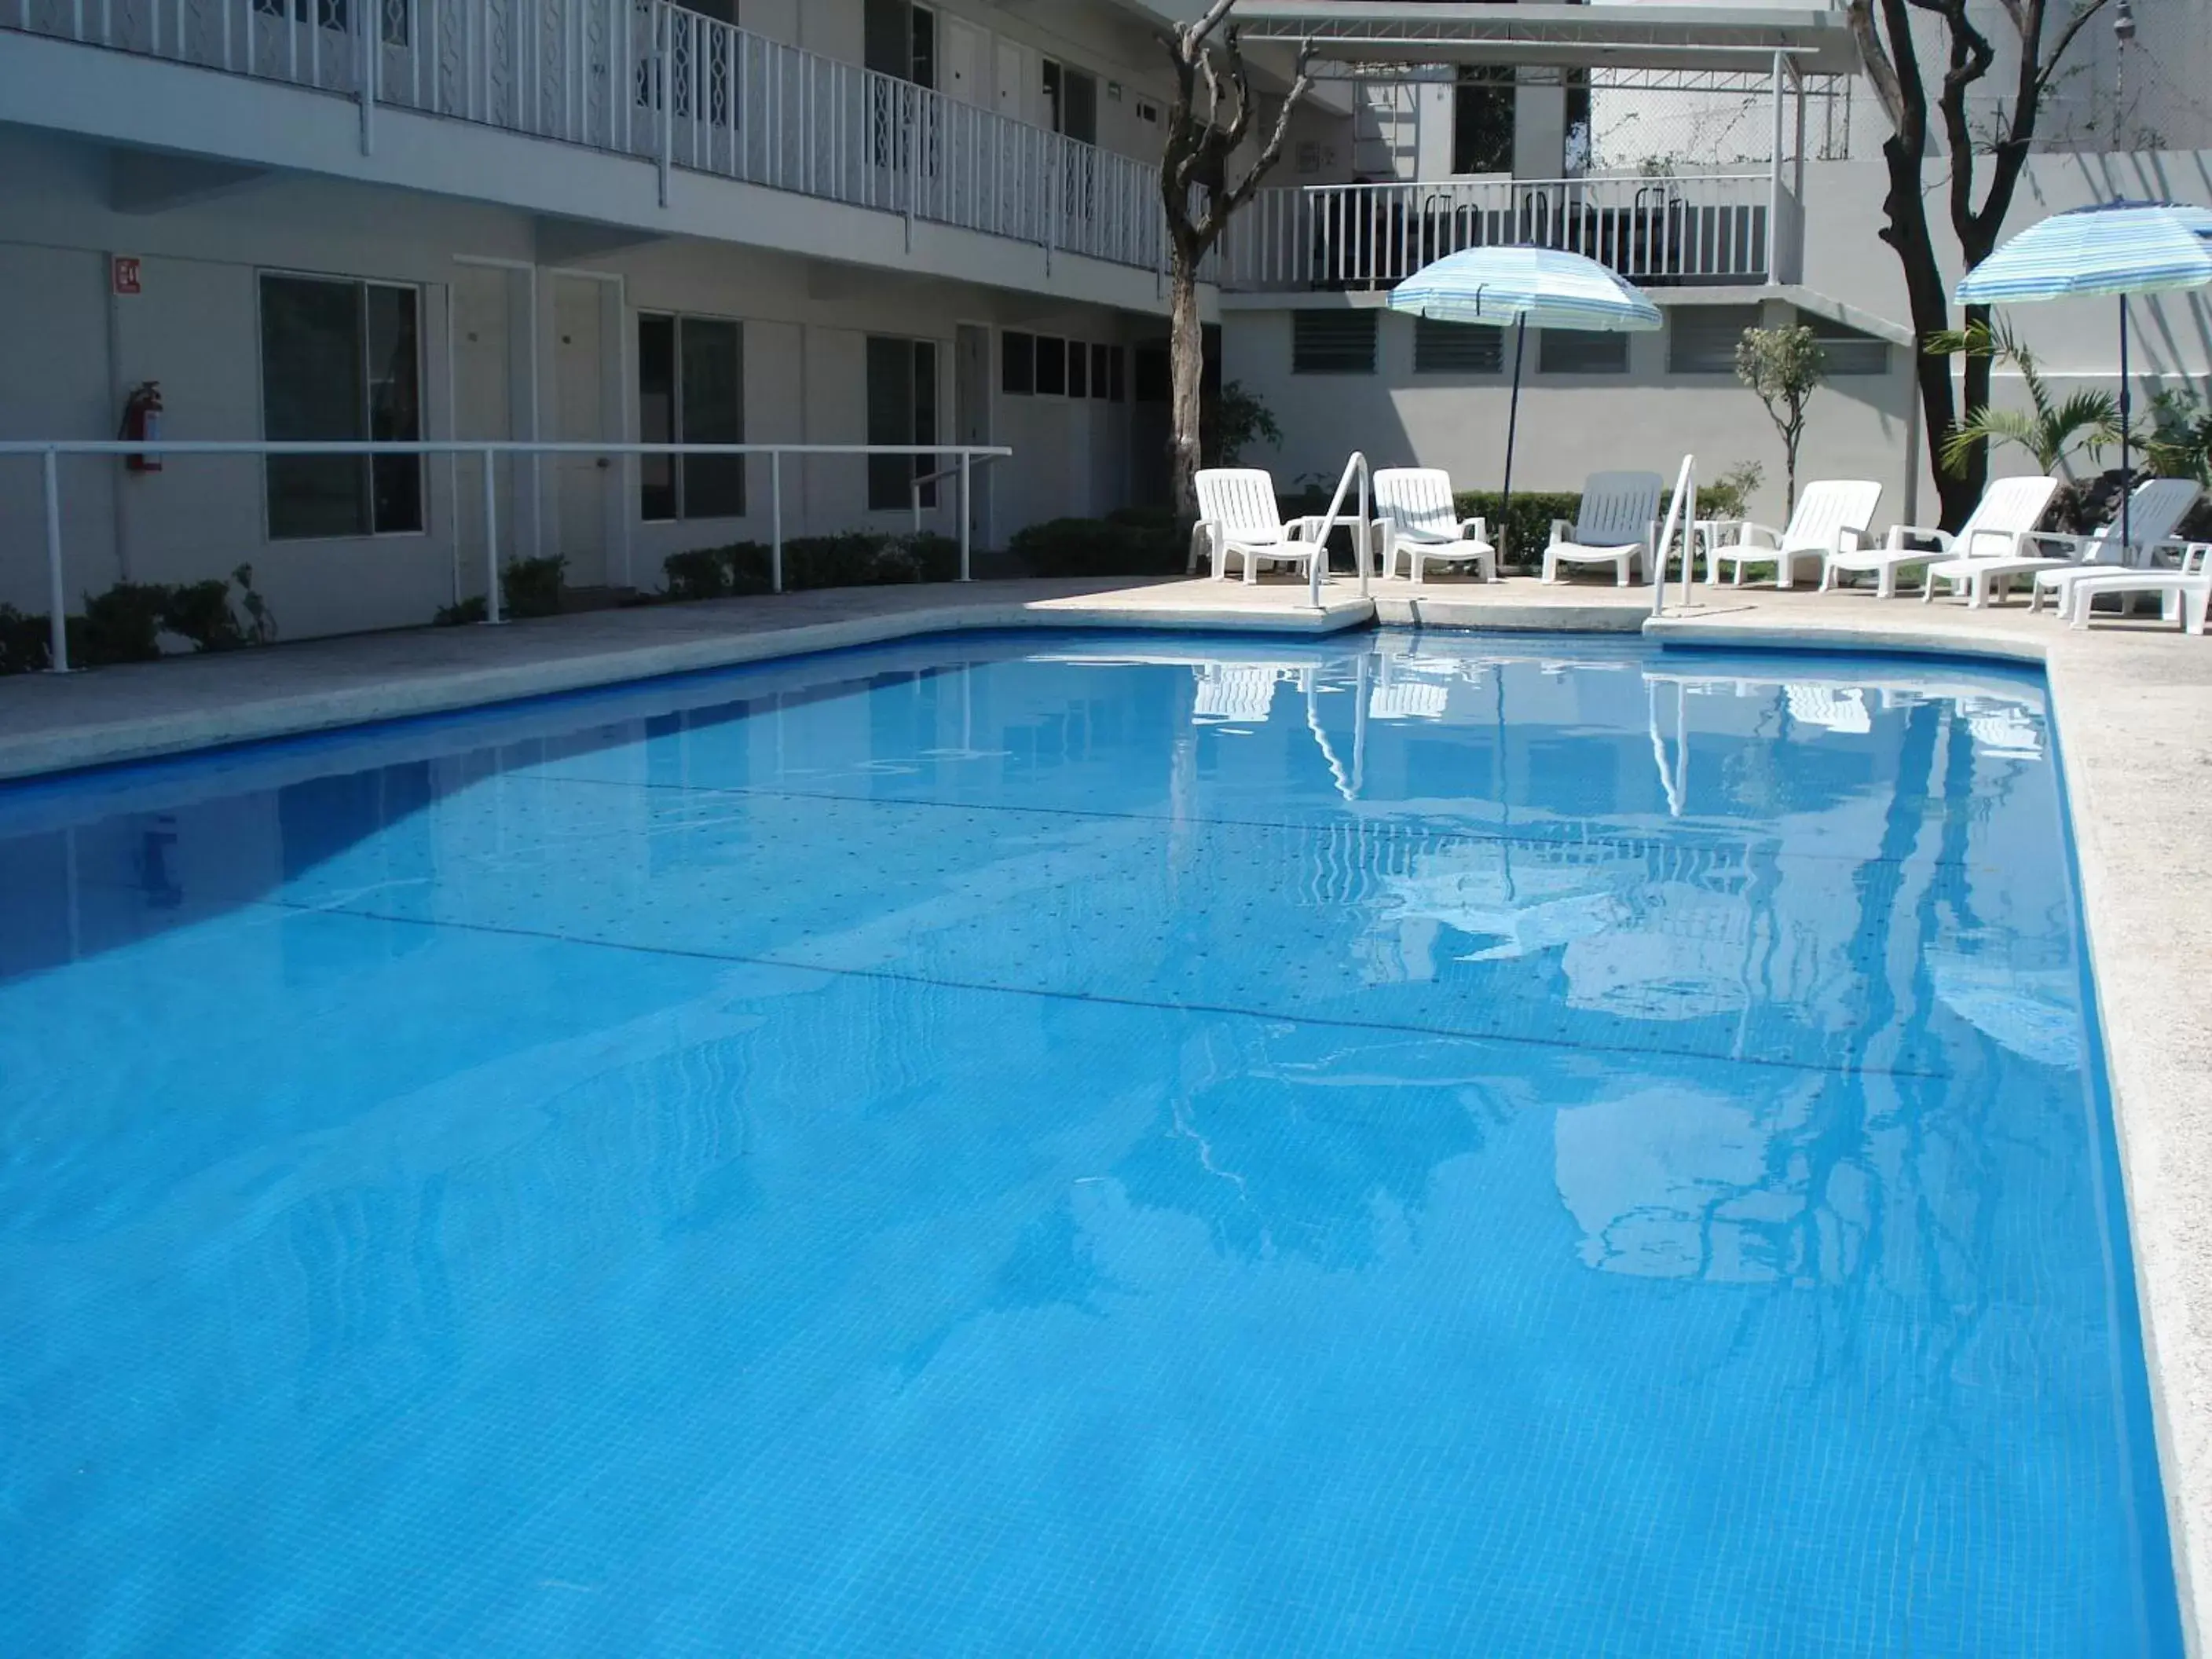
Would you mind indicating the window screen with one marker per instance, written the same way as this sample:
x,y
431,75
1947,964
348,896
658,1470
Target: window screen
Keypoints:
x,y
1846,351
1457,347
1702,339
1332,342
1579,351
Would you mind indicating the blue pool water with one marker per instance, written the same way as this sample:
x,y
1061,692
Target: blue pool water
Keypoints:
x,y
1008,1145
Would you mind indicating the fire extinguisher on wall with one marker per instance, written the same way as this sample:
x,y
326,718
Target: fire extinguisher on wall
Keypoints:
x,y
141,424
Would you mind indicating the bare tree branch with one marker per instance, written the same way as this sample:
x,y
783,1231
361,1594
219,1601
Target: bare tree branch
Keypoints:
x,y
1879,68
2057,53
1272,151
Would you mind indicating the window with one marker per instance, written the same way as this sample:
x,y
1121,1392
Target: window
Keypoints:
x,y
1071,97
1702,339
1155,378
1017,364
1581,351
1845,350
902,409
341,361
1117,374
1101,370
1441,348
1051,367
900,41
690,390
1078,370
1482,119
1332,342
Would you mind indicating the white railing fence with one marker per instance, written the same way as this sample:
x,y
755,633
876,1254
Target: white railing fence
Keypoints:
x,y
49,452
1703,227
658,81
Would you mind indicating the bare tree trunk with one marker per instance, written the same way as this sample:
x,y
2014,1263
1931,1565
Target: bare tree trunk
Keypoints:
x,y
1187,363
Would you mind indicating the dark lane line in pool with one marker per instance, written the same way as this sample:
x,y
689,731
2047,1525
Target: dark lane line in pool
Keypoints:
x,y
1708,840
1333,1021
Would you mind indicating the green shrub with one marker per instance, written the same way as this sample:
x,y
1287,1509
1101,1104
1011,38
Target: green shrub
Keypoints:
x,y
124,625
1530,527
25,642
1131,544
855,559
460,613
532,587
201,612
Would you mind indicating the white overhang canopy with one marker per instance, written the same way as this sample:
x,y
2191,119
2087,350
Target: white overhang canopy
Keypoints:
x,y
1619,36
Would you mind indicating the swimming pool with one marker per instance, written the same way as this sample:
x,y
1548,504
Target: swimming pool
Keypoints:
x,y
1123,1146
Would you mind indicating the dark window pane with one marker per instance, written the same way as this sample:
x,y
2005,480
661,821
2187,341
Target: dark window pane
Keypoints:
x,y
1051,367
1482,119
395,407
923,71
1332,342
1582,351
1101,370
1017,364
1078,370
1053,100
925,415
713,383
1155,381
656,416
885,40
1079,100
311,388
1441,348
890,421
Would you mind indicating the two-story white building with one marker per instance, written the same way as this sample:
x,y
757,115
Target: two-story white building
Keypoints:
x,y
882,221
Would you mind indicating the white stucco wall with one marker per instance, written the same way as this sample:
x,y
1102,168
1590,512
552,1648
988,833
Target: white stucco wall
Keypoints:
x,y
194,329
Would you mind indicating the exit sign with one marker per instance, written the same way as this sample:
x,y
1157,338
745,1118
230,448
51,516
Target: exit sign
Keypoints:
x,y
126,274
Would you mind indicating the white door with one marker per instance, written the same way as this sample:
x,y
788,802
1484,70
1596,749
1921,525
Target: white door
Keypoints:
x,y
1018,91
484,372
963,73
580,487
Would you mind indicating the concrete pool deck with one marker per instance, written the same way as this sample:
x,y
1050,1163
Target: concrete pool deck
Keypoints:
x,y
2132,704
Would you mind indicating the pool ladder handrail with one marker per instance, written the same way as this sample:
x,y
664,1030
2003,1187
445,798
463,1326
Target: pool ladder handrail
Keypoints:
x,y
1362,529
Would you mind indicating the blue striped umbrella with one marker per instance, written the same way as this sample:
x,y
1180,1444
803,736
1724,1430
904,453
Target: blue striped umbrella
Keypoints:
x,y
2112,248
1521,284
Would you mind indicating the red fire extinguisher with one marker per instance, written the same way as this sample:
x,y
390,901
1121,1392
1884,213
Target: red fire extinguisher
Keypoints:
x,y
141,424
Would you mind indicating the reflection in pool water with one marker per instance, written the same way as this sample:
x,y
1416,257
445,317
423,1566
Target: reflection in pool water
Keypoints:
x,y
1397,1144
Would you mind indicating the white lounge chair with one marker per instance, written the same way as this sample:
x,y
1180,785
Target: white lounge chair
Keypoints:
x,y
1414,506
1238,511
2008,510
2154,511
2186,589
1833,516
1617,524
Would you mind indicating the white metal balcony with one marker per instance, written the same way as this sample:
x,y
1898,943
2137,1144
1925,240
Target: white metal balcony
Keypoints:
x,y
1718,228
658,81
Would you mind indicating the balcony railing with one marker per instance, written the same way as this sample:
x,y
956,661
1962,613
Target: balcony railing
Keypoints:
x,y
1709,228
656,81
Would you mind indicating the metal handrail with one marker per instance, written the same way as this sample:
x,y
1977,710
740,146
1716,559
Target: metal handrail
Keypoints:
x,y
959,469
51,450
1361,528
1685,484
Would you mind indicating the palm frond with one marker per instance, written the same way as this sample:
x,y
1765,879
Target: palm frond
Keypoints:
x,y
1986,425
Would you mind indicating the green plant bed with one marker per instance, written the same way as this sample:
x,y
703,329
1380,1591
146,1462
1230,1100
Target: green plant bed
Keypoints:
x,y
532,587
855,559
125,623
1132,543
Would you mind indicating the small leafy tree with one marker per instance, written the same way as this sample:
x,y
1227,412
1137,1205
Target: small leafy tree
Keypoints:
x,y
1210,119
1784,366
2179,444
1235,421
2050,430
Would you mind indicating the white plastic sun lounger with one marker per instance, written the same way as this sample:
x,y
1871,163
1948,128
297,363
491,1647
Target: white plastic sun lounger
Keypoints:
x,y
1238,511
2155,512
1419,519
1833,516
2187,589
1983,571
1617,524
2008,510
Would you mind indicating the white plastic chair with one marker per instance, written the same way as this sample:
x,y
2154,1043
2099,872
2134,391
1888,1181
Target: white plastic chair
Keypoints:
x,y
2008,510
1414,506
1617,524
1237,509
2155,512
2187,590
1832,516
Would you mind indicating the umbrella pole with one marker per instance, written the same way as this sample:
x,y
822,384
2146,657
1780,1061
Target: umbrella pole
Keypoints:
x,y
1512,424
2127,515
